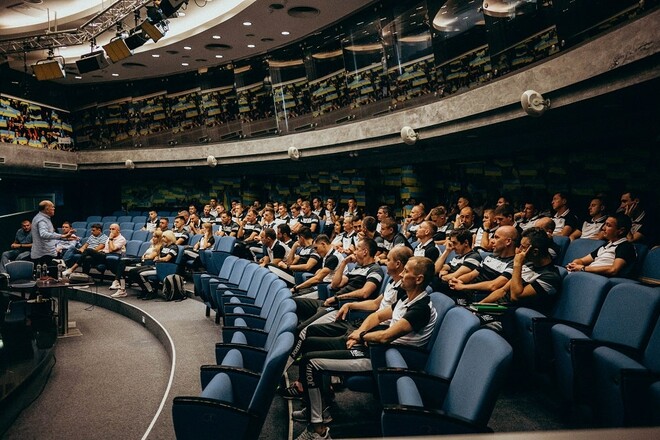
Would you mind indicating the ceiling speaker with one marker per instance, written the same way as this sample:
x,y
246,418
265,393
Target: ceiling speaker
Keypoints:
x,y
294,153
129,164
533,103
408,135
211,161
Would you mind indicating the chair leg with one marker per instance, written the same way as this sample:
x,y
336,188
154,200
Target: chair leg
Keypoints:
x,y
208,311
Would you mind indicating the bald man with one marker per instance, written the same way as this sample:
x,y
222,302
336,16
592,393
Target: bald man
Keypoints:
x,y
495,271
44,237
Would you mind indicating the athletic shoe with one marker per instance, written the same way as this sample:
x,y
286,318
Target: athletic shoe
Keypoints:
x,y
291,392
121,293
313,435
303,415
115,285
66,273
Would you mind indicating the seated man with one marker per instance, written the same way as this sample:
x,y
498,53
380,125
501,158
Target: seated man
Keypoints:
x,y
95,241
228,227
425,245
249,227
206,216
20,248
616,257
274,250
330,259
181,234
592,228
565,221
409,322
389,238
301,258
152,222
63,245
641,230
501,216
466,259
115,244
525,219
495,270
412,222
535,280
344,241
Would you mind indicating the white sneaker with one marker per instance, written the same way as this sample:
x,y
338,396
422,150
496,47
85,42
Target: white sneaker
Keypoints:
x,y
312,435
121,293
115,285
66,273
303,415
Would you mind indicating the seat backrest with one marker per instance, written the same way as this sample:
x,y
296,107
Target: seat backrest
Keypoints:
x,y
139,220
273,299
642,251
650,272
227,267
285,305
563,243
144,245
109,219
651,359
265,296
141,235
248,274
124,218
237,271
77,225
580,248
133,248
165,269
20,270
251,280
273,369
179,256
225,244
581,298
127,233
455,330
442,304
94,219
627,315
479,376
194,239
126,226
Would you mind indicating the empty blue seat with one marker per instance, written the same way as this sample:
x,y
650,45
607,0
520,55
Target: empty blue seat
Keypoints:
x,y
625,320
463,405
94,219
142,235
650,271
124,218
579,248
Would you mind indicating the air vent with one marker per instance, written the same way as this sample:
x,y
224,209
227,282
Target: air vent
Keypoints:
x,y
303,12
61,166
217,47
69,166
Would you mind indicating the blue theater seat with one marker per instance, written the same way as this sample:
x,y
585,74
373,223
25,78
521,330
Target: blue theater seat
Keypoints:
x,y
464,405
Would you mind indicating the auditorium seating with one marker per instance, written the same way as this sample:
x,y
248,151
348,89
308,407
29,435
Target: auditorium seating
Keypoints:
x,y
234,402
579,248
21,276
625,320
579,303
464,405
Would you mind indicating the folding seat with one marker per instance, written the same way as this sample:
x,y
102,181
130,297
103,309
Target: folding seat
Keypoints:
x,y
650,271
243,333
245,316
94,219
626,385
625,320
216,287
240,354
124,219
128,234
464,405
579,248
247,289
440,362
117,213
81,232
109,219
234,402
579,302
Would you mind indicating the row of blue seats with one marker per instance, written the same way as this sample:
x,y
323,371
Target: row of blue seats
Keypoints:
x,y
598,329
130,216
259,321
467,399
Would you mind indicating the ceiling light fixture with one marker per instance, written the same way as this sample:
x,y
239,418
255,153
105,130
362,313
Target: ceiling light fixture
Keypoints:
x,y
286,33
247,23
219,56
115,74
216,37
155,55
251,46
50,68
187,47
185,64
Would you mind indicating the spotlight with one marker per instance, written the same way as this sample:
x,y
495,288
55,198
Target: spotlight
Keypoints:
x,y
117,50
172,142
155,31
92,61
129,164
50,68
211,161
169,7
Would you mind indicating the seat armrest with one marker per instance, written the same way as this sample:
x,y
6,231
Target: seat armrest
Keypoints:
x,y
402,420
432,389
253,357
255,337
252,321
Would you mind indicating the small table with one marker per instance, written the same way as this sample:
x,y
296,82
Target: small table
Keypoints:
x,y
60,289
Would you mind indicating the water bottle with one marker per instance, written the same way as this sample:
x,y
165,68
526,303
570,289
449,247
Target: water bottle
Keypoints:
x,y
60,269
44,270
38,276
